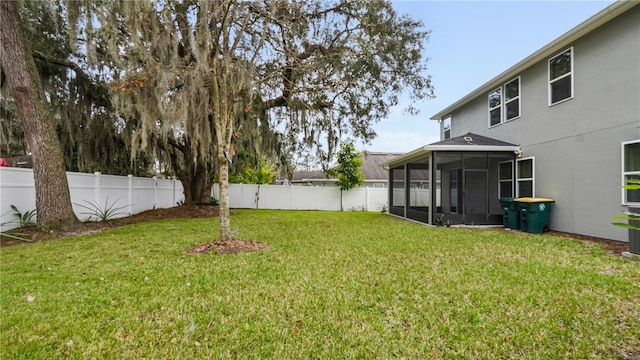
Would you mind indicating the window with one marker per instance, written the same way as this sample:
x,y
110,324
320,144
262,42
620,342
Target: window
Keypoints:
x,y
525,178
512,99
495,107
561,77
505,180
630,170
504,103
446,128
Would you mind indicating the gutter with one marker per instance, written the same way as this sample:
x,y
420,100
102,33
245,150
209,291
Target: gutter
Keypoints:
x,y
423,151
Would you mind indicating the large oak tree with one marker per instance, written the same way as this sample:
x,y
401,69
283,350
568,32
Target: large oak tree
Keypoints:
x,y
92,137
197,75
53,202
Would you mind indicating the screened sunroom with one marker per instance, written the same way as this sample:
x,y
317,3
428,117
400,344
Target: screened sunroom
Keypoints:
x,y
454,181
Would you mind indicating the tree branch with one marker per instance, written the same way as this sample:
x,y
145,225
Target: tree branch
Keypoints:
x,y
295,104
93,91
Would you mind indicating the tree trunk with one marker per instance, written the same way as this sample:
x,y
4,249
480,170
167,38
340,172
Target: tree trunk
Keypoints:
x,y
196,189
200,184
196,181
196,176
223,127
225,222
53,202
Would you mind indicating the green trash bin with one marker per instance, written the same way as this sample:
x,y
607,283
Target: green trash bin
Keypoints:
x,y
534,214
510,213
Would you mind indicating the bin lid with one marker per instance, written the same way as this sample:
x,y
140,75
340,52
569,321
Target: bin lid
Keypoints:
x,y
534,200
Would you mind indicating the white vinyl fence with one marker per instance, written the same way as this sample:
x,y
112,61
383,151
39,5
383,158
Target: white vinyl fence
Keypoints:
x,y
132,194
304,197
135,194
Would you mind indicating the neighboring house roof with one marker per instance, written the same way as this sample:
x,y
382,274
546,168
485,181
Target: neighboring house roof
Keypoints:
x,y
602,17
309,175
371,168
466,142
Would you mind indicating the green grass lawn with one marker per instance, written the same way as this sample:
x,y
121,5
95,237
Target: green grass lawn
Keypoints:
x,y
331,285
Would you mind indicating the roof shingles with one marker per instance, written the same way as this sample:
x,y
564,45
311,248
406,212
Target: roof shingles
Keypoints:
x,y
473,139
371,168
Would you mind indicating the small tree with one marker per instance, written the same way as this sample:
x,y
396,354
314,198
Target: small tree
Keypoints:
x,y
348,170
629,217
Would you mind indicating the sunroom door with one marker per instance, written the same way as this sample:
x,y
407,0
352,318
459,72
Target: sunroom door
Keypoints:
x,y
475,196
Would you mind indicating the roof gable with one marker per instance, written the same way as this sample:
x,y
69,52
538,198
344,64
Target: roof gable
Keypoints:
x,y
468,142
471,139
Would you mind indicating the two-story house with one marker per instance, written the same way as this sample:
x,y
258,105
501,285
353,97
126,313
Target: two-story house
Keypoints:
x,y
561,124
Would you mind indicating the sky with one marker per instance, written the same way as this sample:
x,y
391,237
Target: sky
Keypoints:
x,y
470,43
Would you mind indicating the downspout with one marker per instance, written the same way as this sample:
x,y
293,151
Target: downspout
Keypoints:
x,y
432,193
407,195
389,187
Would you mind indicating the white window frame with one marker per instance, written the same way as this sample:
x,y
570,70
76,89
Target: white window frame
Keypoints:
x,y
509,181
532,178
446,131
503,102
499,107
570,73
504,91
627,173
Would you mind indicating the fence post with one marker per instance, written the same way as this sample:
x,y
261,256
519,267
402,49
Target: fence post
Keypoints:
x,y
98,185
366,198
173,197
291,197
257,197
130,193
155,192
214,192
